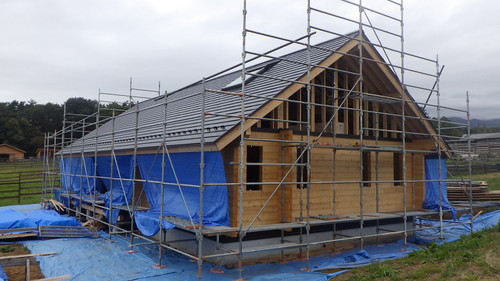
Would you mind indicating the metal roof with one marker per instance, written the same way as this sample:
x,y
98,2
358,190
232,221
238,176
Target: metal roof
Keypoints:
x,y
483,136
183,107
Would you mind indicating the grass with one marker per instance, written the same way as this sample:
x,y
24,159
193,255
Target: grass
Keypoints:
x,y
475,257
493,180
28,174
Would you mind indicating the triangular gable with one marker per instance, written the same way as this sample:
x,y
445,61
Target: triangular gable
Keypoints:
x,y
12,147
387,76
221,123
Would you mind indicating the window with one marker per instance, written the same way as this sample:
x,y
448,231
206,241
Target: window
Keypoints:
x,y
254,172
367,169
398,167
250,75
302,178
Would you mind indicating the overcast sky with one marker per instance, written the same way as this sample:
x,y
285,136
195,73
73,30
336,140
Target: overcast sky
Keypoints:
x,y
52,50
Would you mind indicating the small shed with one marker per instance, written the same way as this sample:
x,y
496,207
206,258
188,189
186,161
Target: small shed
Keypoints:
x,y
10,153
41,152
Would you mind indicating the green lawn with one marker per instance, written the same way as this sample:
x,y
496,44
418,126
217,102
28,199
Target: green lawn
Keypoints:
x,y
28,174
475,257
493,180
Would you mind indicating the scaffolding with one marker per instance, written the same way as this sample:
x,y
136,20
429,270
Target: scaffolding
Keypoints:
x,y
340,103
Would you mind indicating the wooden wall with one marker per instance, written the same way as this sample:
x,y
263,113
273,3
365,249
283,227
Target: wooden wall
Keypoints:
x,y
324,168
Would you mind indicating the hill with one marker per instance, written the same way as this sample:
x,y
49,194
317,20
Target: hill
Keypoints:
x,y
478,123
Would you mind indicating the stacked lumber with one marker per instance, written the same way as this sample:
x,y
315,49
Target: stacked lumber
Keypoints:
x,y
480,192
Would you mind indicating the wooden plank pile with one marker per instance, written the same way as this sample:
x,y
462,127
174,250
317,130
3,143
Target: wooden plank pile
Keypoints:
x,y
480,192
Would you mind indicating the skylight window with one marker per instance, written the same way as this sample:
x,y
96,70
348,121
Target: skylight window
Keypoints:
x,y
250,75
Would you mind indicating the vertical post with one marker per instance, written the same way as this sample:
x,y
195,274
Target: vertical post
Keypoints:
x,y
361,125
134,171
82,167
199,232
403,126
438,109
111,163
44,170
242,145
308,147
19,188
63,134
469,160
97,120
53,183
162,191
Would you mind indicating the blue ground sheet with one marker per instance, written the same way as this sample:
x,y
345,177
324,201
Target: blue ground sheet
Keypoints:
x,y
31,216
102,259
3,276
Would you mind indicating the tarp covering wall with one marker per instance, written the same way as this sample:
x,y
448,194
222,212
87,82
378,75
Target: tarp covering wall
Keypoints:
x,y
121,168
183,168
77,174
180,169
432,188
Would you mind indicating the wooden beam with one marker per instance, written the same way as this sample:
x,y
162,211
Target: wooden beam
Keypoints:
x,y
58,278
16,262
396,83
285,94
27,256
19,260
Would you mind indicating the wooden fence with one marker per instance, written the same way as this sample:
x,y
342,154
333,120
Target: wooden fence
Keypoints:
x,y
20,187
21,181
478,167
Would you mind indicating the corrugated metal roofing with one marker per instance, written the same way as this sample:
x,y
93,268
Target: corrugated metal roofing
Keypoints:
x,y
183,108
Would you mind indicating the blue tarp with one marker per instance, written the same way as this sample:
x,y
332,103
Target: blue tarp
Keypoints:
x,y
185,169
10,219
101,259
31,216
77,174
108,260
432,188
3,276
121,189
179,167
51,217
452,231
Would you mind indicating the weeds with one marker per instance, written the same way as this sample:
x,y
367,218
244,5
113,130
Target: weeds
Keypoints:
x,y
7,249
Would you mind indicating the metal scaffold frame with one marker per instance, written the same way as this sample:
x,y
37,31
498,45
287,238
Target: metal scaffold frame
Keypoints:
x,y
357,102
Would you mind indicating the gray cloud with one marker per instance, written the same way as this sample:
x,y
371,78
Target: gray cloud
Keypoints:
x,y
52,50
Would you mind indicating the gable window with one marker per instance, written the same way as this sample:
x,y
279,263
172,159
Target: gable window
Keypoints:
x,y
254,169
249,76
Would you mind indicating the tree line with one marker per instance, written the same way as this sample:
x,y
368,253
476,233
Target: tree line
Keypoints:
x,y
23,124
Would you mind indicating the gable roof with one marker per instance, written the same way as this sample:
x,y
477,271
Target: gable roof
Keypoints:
x,y
183,107
12,147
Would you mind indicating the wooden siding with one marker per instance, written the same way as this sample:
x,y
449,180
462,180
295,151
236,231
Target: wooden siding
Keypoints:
x,y
322,195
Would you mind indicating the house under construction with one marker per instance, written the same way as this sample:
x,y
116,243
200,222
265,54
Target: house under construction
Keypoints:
x,y
284,154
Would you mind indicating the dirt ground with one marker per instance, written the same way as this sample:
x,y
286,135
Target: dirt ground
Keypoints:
x,y
18,273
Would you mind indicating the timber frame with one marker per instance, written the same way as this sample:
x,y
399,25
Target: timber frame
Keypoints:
x,y
342,143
